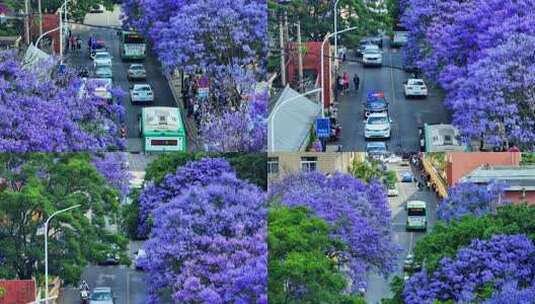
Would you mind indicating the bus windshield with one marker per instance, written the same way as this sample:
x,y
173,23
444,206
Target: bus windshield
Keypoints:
x,y
133,38
416,211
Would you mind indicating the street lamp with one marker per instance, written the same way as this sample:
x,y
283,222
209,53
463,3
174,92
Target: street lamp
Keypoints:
x,y
62,7
329,35
335,30
44,34
276,109
46,245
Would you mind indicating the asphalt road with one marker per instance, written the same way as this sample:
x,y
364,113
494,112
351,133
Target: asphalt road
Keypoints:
x,y
378,286
127,284
155,77
406,115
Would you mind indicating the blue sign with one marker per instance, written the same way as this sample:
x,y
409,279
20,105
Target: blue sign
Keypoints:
x,y
323,127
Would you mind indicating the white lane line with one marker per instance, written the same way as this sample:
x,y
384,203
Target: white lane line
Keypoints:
x,y
392,79
127,287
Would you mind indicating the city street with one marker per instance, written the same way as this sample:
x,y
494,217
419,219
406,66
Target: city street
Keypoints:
x,y
127,284
406,115
378,287
160,86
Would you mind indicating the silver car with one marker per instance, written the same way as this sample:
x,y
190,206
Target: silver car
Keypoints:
x,y
103,71
102,295
141,93
136,71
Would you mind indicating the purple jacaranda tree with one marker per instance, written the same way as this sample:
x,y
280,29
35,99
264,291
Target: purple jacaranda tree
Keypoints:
x,y
511,293
210,33
143,14
209,242
358,213
467,198
45,113
484,263
495,98
113,166
237,129
201,172
473,50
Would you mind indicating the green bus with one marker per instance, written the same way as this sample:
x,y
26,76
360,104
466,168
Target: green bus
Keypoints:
x,y
162,129
416,215
132,45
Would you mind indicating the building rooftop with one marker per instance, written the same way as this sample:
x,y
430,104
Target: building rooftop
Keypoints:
x,y
517,177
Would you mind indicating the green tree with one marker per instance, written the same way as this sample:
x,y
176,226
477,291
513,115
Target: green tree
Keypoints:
x,y
316,19
528,159
300,269
129,215
32,187
446,239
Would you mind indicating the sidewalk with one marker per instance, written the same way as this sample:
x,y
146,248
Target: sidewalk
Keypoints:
x,y
194,143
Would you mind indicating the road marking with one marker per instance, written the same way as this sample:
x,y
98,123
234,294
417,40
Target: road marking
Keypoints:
x,y
127,287
392,79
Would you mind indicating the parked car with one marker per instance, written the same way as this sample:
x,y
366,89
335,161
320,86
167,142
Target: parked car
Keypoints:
x,y
141,93
414,87
102,295
377,126
392,190
103,71
136,71
376,150
407,177
375,103
400,39
410,265
97,9
363,44
140,255
372,56
102,58
112,256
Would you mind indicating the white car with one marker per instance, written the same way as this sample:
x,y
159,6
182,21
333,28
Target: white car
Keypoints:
x,y
102,58
400,39
141,93
140,255
415,88
376,150
372,55
377,126
392,191
102,295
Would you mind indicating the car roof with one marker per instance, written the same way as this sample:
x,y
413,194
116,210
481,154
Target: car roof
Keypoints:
x,y
102,289
417,204
380,114
376,144
141,85
105,53
136,65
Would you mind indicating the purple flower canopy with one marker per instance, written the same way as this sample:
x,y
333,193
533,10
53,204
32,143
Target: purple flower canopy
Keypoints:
x,y
359,214
42,114
113,167
209,239
471,199
498,261
471,48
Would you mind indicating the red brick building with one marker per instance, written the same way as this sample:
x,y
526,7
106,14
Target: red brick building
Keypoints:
x,y
50,21
311,66
18,291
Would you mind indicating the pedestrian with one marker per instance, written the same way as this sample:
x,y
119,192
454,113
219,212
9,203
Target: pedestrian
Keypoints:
x,y
72,43
341,85
356,81
79,43
346,81
344,57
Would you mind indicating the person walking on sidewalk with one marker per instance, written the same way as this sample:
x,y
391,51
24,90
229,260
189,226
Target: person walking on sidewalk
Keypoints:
x,y
356,81
346,81
340,85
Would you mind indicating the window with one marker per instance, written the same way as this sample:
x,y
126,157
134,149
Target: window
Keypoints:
x,y
309,163
273,165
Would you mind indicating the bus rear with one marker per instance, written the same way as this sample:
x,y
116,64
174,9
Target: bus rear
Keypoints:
x,y
162,129
416,215
133,46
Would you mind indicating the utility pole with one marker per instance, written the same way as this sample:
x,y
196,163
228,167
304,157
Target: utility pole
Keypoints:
x,y
282,47
286,31
40,17
27,21
300,56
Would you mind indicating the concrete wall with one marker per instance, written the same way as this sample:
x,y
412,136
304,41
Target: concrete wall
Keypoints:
x,y
328,162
